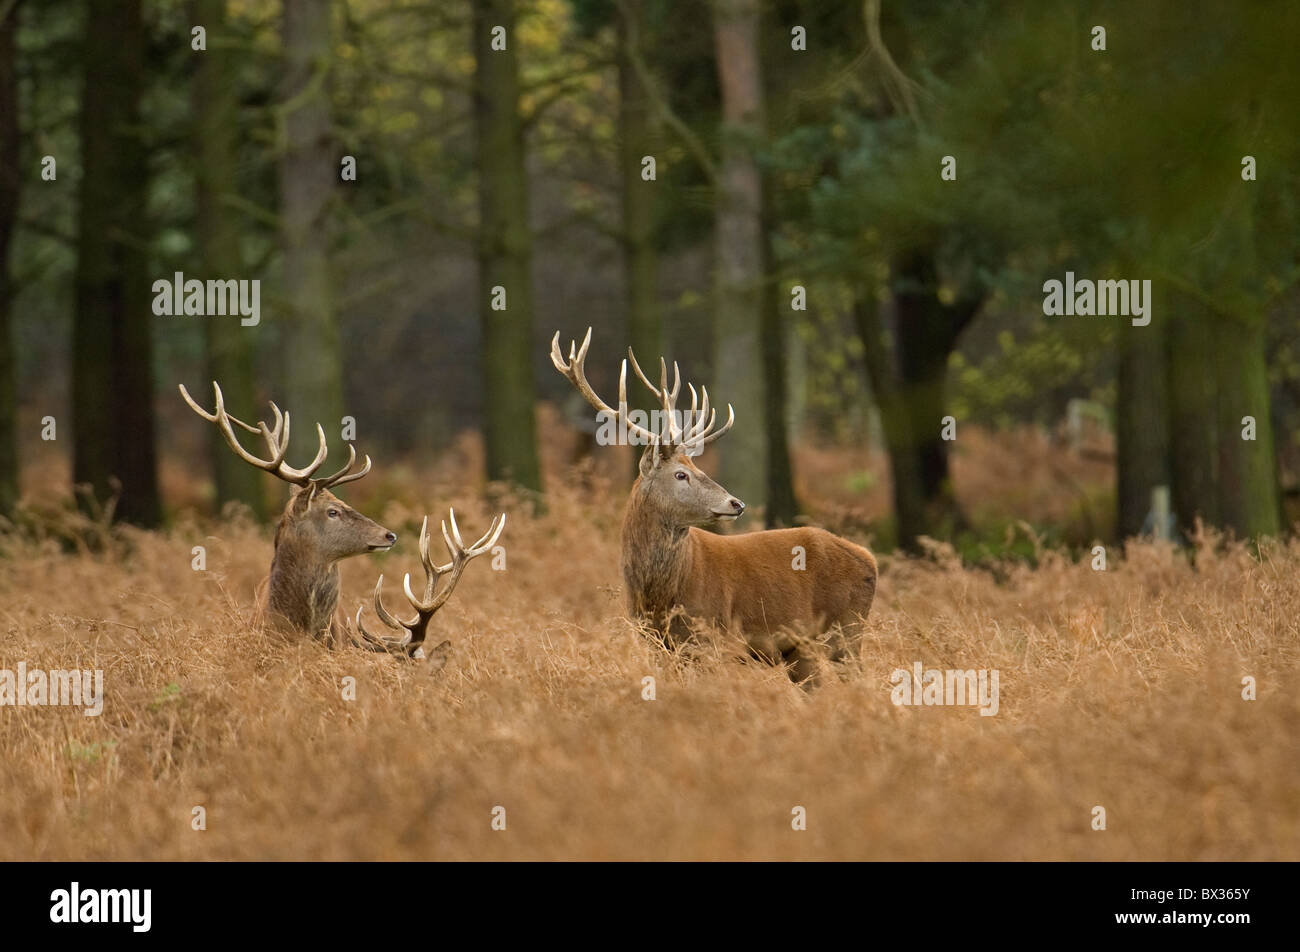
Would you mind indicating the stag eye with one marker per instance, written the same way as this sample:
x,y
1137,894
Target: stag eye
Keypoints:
x,y
681,474
332,513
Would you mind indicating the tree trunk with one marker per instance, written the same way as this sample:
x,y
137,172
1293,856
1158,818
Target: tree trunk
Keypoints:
x,y
112,392
1193,443
782,507
878,355
505,254
737,350
927,335
1141,425
637,138
309,173
1248,484
909,380
9,190
228,344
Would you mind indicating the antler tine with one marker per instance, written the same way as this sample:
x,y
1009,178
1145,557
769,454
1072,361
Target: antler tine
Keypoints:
x,y
223,421
276,438
406,644
649,437
302,477
343,475
677,380
689,423
646,436
461,556
575,372
704,418
667,398
705,437
489,538
636,366
411,644
210,417
670,399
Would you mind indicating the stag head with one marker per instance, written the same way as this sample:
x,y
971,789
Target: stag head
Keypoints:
x,y
315,520
669,476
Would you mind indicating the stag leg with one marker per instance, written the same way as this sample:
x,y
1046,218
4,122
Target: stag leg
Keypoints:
x,y
803,664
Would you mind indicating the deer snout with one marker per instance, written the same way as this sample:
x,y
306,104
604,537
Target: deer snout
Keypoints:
x,y
389,539
731,509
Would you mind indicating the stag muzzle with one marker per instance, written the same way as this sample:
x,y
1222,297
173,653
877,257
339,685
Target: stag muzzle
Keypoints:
x,y
734,508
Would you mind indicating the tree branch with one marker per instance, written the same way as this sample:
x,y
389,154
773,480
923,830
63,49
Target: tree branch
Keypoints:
x,y
692,142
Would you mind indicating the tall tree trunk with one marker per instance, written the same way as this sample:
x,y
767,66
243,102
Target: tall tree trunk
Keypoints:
x,y
1141,424
737,339
112,393
904,466
505,253
9,190
782,507
909,379
1193,443
229,344
309,171
637,138
927,335
1248,484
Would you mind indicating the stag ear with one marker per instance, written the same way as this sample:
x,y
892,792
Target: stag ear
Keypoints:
x,y
651,457
301,499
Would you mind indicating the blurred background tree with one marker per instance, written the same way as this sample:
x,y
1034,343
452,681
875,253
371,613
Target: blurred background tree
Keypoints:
x,y
795,144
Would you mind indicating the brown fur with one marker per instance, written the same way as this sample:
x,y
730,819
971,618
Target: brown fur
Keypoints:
x,y
301,594
743,584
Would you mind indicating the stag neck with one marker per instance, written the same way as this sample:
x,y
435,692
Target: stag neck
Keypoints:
x,y
656,556
303,585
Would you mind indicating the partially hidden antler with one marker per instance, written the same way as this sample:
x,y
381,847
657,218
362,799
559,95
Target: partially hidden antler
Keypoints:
x,y
277,444
411,645
692,430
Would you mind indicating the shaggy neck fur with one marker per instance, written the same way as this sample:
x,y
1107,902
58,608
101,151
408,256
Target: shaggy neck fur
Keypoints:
x,y
656,556
304,588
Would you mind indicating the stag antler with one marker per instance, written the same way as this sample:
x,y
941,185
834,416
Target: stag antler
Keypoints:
x,y
411,644
277,444
693,432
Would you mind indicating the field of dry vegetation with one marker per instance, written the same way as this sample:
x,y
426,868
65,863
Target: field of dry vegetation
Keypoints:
x,y
1120,688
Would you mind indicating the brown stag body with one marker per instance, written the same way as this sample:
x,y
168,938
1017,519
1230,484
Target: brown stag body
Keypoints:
x,y
794,595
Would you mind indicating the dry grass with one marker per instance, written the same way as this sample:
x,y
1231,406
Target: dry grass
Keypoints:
x,y
1119,688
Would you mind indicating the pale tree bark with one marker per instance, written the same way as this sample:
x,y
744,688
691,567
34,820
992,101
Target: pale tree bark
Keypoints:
x,y
112,388
737,345
505,254
9,191
228,344
309,173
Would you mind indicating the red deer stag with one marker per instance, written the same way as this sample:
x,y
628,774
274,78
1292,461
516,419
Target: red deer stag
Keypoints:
x,y
411,645
316,531
774,588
